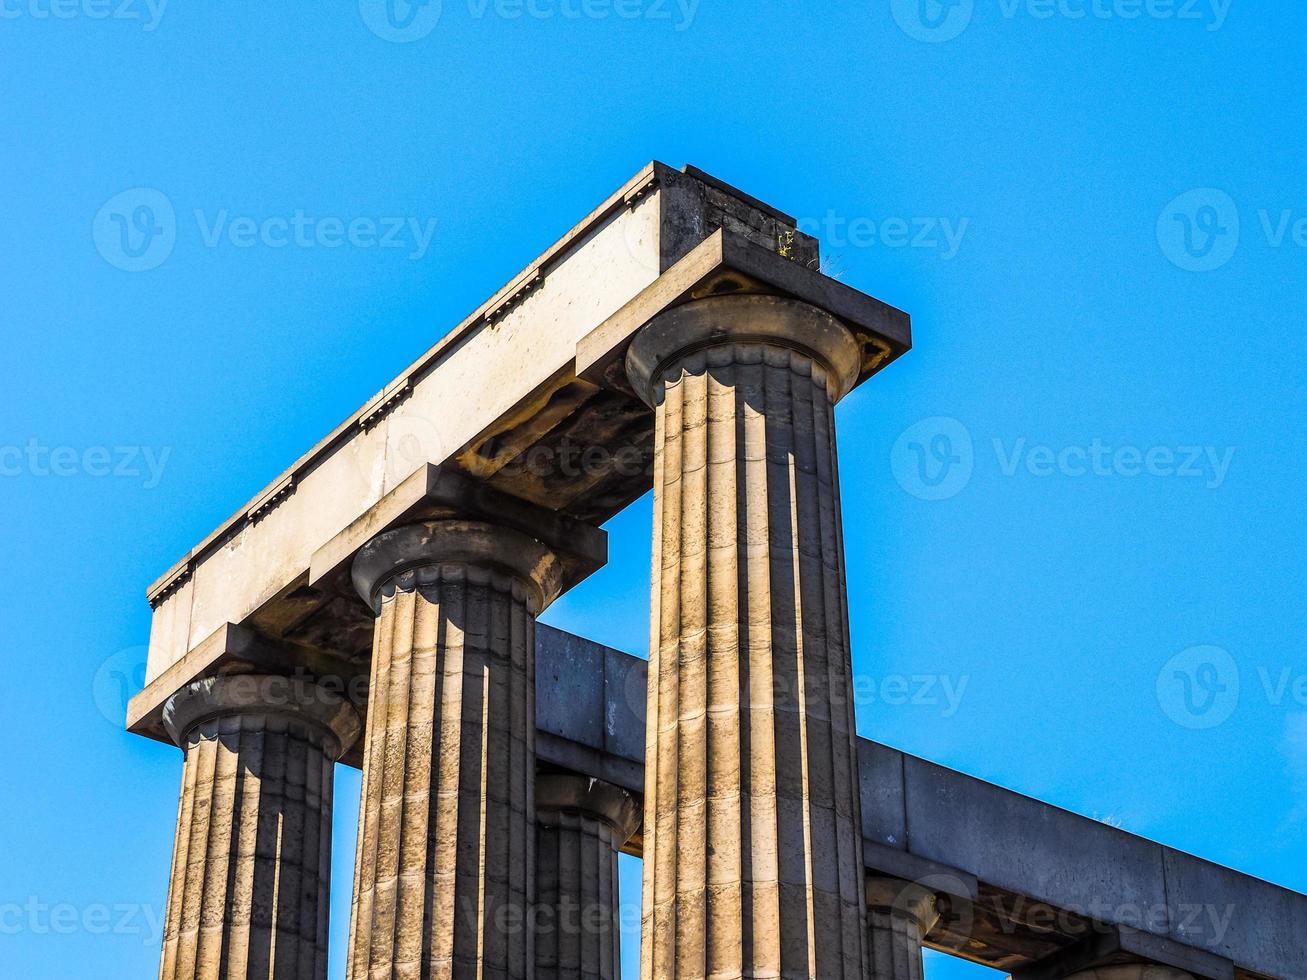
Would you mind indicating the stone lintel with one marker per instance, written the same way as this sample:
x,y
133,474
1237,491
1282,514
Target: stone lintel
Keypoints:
x,y
940,878
727,263
1018,880
495,397
649,176
910,899
1108,946
1036,859
562,753
231,649
444,493
319,628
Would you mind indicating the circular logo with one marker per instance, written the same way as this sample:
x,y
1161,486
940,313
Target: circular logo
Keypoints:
x,y
400,21
411,441
1199,230
136,230
934,459
640,235
958,912
119,679
933,21
1199,687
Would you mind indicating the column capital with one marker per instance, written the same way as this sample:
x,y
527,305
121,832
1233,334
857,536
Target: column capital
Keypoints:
x,y
717,321
239,694
904,898
487,548
561,792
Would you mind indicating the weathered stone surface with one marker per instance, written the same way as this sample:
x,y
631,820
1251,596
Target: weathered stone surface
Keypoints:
x,y
708,305
252,861
1107,946
445,866
495,397
753,843
1019,879
1131,971
899,914
582,824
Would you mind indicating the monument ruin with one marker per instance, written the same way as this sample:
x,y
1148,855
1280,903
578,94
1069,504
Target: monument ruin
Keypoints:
x,y
375,606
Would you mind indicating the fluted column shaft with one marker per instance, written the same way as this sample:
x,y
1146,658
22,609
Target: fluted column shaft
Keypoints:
x,y
582,824
899,915
752,828
252,860
446,853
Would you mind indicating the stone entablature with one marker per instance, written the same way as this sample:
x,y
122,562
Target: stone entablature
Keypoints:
x,y
682,337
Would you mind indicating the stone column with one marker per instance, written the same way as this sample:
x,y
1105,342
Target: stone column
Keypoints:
x,y
445,866
251,866
582,824
753,837
899,915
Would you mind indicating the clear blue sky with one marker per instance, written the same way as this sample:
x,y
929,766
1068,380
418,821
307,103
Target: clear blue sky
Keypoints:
x,y
1025,521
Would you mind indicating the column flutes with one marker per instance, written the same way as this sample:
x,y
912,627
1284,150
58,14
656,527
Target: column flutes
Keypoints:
x,y
445,866
252,861
753,863
583,823
899,915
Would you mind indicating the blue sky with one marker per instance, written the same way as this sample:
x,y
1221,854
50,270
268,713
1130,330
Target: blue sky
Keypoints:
x,y
1080,493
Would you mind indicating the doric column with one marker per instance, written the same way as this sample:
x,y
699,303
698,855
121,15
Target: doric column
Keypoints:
x,y
582,824
753,841
446,852
899,915
251,866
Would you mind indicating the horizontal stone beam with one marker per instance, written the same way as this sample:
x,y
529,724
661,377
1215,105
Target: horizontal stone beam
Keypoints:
x,y
519,398
1020,881
1024,887
553,440
1108,946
